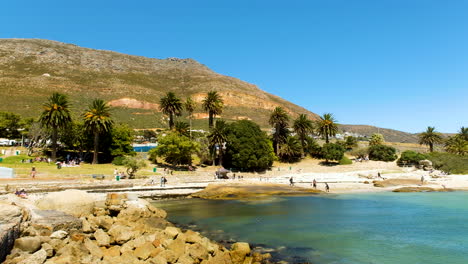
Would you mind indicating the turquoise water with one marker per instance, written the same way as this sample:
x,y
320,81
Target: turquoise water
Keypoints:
x,y
356,228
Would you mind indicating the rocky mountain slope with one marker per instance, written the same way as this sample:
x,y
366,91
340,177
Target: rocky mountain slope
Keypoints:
x,y
31,69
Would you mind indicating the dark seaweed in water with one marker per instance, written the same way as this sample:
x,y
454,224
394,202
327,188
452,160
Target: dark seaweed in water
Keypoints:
x,y
280,255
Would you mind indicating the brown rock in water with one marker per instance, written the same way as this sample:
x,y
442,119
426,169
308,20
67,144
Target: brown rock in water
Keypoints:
x,y
171,232
197,251
28,244
219,258
192,237
239,251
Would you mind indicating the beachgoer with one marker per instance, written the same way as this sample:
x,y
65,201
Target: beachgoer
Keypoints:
x,y
116,172
162,181
33,172
314,183
422,180
378,175
291,181
327,188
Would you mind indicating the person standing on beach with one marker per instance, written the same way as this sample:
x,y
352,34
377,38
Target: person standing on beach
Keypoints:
x,y
163,181
33,172
314,183
291,181
327,188
422,180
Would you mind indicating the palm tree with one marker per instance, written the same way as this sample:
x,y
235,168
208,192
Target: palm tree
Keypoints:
x,y
327,127
181,128
430,137
279,120
56,115
218,138
457,145
463,133
97,119
170,105
303,127
213,104
190,107
290,150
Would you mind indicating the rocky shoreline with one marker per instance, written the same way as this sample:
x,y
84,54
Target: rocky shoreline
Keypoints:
x,y
72,227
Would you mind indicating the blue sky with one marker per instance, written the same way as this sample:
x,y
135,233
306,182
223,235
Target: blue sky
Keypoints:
x,y
400,64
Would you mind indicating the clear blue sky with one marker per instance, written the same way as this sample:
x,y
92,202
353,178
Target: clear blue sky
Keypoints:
x,y
399,64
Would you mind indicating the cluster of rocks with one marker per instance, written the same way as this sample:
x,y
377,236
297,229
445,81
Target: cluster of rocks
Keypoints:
x,y
123,229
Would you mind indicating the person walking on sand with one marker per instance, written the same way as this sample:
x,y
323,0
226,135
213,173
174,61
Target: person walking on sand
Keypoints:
x,y
162,181
314,183
422,180
327,188
33,172
291,181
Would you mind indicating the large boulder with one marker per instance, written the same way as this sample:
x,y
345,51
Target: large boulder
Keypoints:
x,y
239,251
28,244
121,234
11,217
48,221
37,258
75,202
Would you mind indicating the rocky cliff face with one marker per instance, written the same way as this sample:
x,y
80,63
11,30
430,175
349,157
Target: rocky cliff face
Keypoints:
x,y
31,69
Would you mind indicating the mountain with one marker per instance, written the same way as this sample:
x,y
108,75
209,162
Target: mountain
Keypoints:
x,y
390,135
31,69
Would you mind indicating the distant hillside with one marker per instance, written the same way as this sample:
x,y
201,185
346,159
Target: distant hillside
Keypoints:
x,y
390,135
31,69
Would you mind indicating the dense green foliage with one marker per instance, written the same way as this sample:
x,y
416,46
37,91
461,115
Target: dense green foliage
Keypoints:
x,y
430,137
313,148
175,149
10,123
382,153
218,139
122,138
248,147
376,139
410,157
332,151
290,150
457,145
303,127
345,161
326,126
448,162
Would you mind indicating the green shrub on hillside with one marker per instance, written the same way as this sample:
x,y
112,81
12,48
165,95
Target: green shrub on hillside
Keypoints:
x,y
359,152
345,161
382,153
410,157
332,151
447,162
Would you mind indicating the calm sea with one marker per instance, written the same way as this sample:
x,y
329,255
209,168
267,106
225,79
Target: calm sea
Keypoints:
x,y
356,228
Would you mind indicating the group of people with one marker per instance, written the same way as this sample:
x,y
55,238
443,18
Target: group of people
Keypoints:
x,y
314,184
21,193
121,174
361,159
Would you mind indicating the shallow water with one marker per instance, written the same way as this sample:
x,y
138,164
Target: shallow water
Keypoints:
x,y
353,228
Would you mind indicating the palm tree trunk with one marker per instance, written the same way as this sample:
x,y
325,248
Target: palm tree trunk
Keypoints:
x,y
96,144
431,147
190,121
326,138
303,147
171,121
54,143
210,119
221,156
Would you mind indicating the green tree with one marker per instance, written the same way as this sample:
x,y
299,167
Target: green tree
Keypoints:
x,y
463,133
75,137
182,128
457,145
290,150
430,137
122,139
171,105
190,107
10,123
213,104
313,148
409,157
376,139
332,151
326,126
350,143
248,147
303,127
55,116
279,120
218,138
133,164
382,153
97,120
175,149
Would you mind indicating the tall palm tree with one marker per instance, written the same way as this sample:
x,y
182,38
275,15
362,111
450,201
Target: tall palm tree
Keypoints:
x,y
190,107
97,119
290,150
430,137
463,133
279,120
303,127
56,116
327,127
213,104
218,138
170,105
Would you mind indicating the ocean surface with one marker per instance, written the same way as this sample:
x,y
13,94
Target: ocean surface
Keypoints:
x,y
347,229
